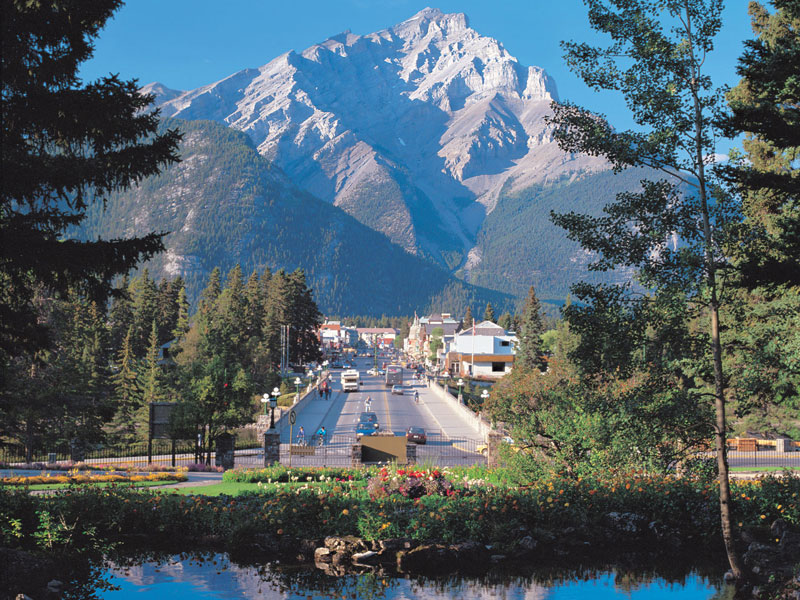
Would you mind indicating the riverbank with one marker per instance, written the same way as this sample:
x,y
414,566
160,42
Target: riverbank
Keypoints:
x,y
421,519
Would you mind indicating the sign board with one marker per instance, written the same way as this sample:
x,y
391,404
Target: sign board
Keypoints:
x,y
292,417
160,414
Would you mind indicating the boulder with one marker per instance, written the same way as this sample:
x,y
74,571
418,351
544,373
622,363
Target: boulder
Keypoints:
x,y
370,557
625,522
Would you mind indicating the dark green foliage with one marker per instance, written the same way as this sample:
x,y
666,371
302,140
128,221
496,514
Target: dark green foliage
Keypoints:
x,y
468,320
229,205
531,328
68,146
765,106
488,314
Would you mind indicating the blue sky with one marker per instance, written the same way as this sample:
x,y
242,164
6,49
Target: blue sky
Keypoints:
x,y
188,43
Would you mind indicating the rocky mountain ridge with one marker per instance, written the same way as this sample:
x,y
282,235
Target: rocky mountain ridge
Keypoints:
x,y
415,130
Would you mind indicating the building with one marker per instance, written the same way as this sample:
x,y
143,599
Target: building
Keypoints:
x,y
383,337
484,352
417,344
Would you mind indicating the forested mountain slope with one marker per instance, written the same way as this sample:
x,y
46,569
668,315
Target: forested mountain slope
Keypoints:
x,y
226,204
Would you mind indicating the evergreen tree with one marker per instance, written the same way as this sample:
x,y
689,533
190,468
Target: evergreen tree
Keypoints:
x,y
505,321
151,383
764,105
765,331
182,319
209,296
68,145
529,348
468,320
305,319
127,392
488,315
120,315
145,297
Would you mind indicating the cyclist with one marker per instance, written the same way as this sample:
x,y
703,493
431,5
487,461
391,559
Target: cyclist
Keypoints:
x,y
301,436
321,436
416,396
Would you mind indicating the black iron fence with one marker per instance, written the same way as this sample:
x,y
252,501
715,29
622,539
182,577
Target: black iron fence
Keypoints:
x,y
344,451
163,452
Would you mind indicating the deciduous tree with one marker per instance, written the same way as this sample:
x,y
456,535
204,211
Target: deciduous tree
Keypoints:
x,y
656,60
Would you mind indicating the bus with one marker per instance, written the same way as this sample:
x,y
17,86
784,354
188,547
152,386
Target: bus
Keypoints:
x,y
394,375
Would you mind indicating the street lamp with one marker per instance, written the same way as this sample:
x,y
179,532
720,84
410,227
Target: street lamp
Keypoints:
x,y
485,395
460,385
273,403
297,382
264,401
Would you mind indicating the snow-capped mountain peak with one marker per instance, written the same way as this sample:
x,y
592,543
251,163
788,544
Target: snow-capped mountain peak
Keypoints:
x,y
413,129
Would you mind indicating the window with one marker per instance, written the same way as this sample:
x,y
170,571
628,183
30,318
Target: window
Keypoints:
x,y
505,343
498,367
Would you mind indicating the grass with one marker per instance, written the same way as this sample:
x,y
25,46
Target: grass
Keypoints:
x,y
218,489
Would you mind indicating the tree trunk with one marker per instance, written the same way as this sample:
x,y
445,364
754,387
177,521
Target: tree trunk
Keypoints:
x,y
711,282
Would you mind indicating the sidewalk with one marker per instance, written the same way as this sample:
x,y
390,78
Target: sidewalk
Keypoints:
x,y
310,417
449,420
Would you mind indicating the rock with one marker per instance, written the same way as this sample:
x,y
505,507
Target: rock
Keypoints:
x,y
23,597
778,528
496,558
348,544
426,558
322,555
625,522
54,585
790,542
370,557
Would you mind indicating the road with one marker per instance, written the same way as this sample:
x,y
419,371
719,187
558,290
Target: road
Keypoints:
x,y
448,433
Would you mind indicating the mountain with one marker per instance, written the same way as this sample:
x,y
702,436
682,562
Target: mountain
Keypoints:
x,y
414,130
224,204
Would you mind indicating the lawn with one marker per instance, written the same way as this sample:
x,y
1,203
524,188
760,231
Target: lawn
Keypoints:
x,y
218,489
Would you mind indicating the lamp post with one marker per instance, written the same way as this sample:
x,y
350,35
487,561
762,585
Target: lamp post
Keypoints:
x,y
273,405
297,383
485,396
460,385
264,401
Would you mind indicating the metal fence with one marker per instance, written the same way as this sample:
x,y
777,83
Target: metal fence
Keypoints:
x,y
164,452
338,451
758,459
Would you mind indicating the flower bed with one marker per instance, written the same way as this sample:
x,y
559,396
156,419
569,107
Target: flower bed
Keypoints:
x,y
484,513
75,478
82,466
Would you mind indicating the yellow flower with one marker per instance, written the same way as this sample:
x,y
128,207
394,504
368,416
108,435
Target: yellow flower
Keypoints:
x,y
763,516
345,512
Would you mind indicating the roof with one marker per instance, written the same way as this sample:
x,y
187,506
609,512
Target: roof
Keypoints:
x,y
486,328
361,330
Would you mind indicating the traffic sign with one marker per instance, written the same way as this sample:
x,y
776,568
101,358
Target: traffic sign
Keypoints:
x,y
292,417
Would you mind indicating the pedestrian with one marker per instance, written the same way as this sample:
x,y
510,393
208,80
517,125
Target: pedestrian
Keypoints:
x,y
301,436
328,393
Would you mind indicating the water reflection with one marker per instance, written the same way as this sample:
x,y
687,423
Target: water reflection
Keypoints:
x,y
218,576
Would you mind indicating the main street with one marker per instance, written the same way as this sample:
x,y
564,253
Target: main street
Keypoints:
x,y
448,432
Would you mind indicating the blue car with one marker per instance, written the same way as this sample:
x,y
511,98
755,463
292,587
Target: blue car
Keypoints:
x,y
366,428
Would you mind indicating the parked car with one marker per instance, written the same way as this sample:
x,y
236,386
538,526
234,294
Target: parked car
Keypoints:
x,y
416,435
372,372
397,389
